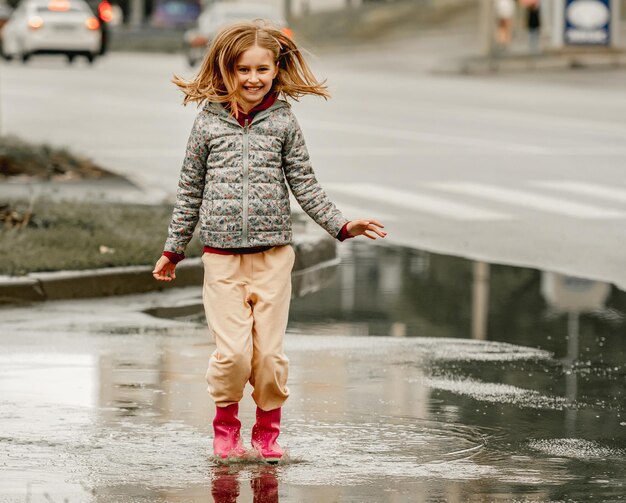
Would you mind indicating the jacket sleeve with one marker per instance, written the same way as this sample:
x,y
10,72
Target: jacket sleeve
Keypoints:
x,y
190,188
305,187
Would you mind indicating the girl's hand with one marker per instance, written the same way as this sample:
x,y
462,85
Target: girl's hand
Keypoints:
x,y
164,270
366,227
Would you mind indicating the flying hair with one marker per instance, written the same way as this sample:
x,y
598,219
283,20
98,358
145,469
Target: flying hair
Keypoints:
x,y
217,82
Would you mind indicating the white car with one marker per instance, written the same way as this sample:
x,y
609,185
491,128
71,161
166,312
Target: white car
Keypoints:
x,y
52,27
220,14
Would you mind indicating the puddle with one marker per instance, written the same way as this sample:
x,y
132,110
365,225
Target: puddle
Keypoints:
x,y
529,354
413,377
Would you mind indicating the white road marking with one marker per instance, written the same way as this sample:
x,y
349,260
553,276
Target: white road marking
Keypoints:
x,y
584,188
529,200
404,134
360,212
418,202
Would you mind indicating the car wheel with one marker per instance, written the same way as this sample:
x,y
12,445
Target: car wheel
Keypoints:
x,y
70,58
90,58
7,57
25,57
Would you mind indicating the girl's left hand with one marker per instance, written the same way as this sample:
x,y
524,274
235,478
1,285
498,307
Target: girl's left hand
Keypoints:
x,y
366,227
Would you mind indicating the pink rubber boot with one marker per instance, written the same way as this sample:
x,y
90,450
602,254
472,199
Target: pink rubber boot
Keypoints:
x,y
264,434
227,441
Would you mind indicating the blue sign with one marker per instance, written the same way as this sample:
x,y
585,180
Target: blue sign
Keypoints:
x,y
587,22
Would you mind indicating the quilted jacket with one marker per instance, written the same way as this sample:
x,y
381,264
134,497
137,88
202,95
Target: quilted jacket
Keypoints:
x,y
234,181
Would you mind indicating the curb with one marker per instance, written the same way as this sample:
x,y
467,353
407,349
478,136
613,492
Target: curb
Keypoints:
x,y
548,60
311,250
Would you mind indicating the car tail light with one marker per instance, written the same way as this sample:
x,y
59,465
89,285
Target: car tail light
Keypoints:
x,y
35,22
288,32
198,41
59,5
105,11
92,23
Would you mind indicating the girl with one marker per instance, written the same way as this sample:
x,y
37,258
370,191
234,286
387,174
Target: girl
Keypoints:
x,y
244,144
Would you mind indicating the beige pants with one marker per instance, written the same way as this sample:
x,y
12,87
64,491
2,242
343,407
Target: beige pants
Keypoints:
x,y
246,300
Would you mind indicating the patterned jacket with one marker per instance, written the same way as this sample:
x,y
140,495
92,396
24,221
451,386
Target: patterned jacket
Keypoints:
x,y
233,181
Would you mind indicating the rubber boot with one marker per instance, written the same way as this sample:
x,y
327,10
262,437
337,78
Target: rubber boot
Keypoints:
x,y
226,426
264,434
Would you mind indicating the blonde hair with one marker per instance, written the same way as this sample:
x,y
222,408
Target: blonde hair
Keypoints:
x,y
216,80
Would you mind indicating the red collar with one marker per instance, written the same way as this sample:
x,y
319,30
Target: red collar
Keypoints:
x,y
268,101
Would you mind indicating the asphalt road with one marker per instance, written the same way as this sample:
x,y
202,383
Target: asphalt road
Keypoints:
x,y
518,169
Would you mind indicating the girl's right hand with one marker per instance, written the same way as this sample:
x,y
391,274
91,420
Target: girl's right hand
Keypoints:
x,y
164,270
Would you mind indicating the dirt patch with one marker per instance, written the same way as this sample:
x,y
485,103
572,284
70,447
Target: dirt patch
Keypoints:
x,y
20,159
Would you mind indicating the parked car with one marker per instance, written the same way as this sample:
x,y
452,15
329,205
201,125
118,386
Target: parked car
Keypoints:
x,y
220,14
52,27
104,11
174,13
5,13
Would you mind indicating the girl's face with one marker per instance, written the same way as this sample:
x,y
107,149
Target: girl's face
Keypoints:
x,y
255,70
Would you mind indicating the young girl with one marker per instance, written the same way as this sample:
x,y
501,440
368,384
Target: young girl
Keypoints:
x,y
244,145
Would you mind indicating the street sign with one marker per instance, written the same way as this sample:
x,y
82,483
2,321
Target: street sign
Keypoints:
x,y
587,22
590,23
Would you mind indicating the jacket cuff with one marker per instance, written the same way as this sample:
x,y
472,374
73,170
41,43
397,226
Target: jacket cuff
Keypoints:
x,y
175,258
343,233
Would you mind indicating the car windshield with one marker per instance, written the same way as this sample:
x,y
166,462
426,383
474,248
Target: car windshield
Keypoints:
x,y
212,19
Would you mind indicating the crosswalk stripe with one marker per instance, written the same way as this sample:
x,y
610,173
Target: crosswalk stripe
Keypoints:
x,y
529,200
419,202
584,188
360,212
427,137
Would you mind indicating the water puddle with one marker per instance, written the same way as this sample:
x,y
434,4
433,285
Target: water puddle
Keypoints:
x,y
413,377
534,358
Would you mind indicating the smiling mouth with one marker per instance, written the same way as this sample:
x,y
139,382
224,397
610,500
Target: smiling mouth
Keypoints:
x,y
253,89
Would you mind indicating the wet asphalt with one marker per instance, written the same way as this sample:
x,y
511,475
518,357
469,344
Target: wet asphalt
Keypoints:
x,y
413,377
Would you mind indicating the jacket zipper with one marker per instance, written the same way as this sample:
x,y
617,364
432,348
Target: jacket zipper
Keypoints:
x,y
246,167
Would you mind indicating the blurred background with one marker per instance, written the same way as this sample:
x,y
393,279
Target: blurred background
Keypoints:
x,y
498,25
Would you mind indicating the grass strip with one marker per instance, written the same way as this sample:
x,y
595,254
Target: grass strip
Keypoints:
x,y
80,235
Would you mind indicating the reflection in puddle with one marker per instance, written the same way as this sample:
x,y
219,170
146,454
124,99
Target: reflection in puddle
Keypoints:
x,y
225,485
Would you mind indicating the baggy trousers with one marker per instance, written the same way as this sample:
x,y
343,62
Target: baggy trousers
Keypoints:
x,y
246,300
